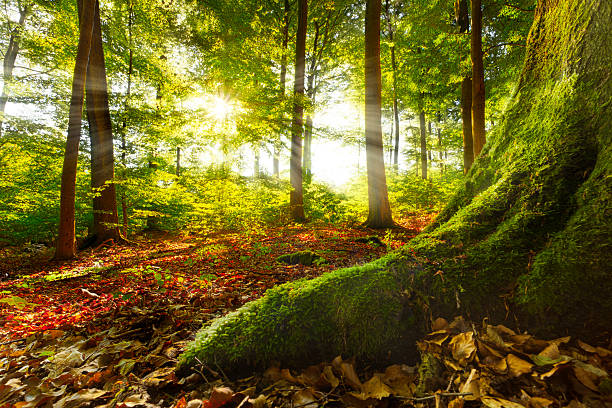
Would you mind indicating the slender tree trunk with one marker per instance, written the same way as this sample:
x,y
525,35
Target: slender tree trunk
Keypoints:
x,y
379,210
466,119
124,127
106,222
312,73
394,71
9,61
256,170
66,236
296,202
440,150
478,84
178,161
423,139
283,78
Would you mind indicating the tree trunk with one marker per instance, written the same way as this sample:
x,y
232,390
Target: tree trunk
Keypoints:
x,y
283,78
395,104
527,235
124,126
9,61
296,203
311,92
440,150
178,161
423,139
466,124
256,170
66,236
379,210
106,221
478,84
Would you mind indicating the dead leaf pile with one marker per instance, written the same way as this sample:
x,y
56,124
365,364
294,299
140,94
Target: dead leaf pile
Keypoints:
x,y
501,368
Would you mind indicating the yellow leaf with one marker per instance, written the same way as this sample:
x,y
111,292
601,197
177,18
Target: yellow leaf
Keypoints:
x,y
518,366
463,347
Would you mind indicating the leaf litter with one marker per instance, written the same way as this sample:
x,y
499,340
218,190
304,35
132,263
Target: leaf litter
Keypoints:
x,y
123,354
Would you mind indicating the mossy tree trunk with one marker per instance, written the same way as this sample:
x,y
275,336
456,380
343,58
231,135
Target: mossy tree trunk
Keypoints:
x,y
528,235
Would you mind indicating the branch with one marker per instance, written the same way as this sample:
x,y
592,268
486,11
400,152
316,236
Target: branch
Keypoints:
x,y
503,44
530,10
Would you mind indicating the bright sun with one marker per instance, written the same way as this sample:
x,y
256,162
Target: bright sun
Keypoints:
x,y
217,108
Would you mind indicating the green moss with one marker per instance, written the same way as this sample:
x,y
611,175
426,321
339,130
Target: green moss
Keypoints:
x,y
360,311
301,258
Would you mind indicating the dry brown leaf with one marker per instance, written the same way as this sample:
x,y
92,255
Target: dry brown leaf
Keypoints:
x,y
329,378
561,340
487,351
219,396
399,380
439,324
305,398
517,366
538,402
456,403
463,347
495,402
504,331
585,378
494,337
551,352
603,353
556,367
348,373
374,388
471,385
586,347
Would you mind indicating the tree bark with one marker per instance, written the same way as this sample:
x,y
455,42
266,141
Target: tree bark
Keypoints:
x,y
466,124
9,61
296,203
124,126
379,210
105,217
178,161
423,140
396,122
66,236
283,79
478,83
311,92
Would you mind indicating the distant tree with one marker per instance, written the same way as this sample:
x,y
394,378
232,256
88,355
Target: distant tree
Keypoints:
x,y
423,144
65,248
9,60
296,202
283,78
379,210
478,84
462,19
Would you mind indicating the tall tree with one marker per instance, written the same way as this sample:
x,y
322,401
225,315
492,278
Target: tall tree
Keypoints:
x,y
478,84
296,203
283,79
9,60
105,219
423,144
66,236
462,19
379,210
391,29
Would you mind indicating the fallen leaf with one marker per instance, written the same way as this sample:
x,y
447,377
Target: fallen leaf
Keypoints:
x,y
463,347
518,366
494,402
305,398
80,398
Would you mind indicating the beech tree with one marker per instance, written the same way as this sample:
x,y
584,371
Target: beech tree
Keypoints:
x,y
105,220
296,202
478,84
8,64
65,248
527,231
379,210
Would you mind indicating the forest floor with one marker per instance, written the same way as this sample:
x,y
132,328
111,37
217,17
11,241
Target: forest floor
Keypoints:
x,y
106,329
